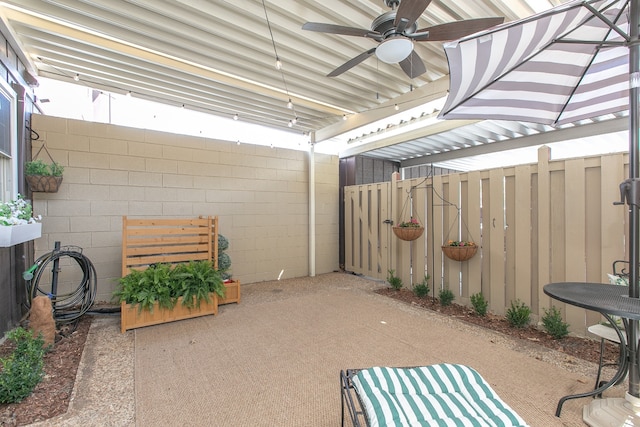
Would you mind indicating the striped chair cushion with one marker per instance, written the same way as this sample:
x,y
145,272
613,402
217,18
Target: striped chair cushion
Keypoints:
x,y
436,395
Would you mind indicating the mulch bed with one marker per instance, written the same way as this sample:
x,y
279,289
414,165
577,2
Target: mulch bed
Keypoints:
x,y
52,395
583,348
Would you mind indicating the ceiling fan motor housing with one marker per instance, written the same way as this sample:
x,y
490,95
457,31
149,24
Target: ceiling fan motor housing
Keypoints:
x,y
385,25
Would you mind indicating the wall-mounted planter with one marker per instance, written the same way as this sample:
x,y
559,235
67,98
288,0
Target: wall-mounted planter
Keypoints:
x,y
232,293
11,235
132,317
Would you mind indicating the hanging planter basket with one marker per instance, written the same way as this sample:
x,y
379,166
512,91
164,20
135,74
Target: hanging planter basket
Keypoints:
x,y
408,233
42,177
43,183
460,253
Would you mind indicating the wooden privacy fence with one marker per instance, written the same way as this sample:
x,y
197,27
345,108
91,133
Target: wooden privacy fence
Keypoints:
x,y
535,224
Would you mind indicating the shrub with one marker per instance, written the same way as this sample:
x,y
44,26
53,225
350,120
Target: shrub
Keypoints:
x,y
421,290
394,281
518,315
24,368
553,323
446,297
479,304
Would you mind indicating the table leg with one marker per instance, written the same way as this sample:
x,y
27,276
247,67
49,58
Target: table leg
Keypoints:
x,y
620,374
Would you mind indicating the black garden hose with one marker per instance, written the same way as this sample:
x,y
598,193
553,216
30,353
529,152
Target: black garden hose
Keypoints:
x,y
70,306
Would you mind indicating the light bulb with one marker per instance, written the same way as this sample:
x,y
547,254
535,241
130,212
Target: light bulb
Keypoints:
x,y
129,94
397,107
290,123
289,104
76,77
278,64
295,120
235,117
344,117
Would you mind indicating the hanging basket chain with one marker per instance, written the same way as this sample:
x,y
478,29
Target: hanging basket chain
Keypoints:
x,y
44,145
404,206
460,220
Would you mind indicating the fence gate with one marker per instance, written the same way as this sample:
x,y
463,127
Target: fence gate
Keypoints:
x,y
367,212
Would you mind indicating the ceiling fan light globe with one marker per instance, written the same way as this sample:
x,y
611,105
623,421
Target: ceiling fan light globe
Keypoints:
x,y
394,50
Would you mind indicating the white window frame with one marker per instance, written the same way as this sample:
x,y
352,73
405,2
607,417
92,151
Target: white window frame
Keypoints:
x,y
9,163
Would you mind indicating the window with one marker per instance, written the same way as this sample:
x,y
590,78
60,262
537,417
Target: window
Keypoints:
x,y
8,143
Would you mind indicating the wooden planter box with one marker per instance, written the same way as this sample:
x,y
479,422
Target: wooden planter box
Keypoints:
x,y
232,294
131,317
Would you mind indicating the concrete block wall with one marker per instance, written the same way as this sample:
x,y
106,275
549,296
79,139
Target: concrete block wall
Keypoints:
x,y
260,194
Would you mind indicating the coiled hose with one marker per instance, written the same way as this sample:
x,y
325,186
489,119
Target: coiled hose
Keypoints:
x,y
70,306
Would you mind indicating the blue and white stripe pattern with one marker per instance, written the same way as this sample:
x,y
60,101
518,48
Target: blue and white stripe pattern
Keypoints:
x,y
435,395
560,66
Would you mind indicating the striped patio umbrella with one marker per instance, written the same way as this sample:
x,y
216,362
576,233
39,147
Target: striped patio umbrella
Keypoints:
x,y
563,65
576,61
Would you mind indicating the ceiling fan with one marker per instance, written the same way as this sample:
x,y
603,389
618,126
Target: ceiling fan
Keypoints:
x,y
396,30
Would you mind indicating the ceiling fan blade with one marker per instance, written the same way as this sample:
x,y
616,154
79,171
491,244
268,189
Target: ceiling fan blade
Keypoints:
x,y
454,30
413,66
411,11
339,29
352,63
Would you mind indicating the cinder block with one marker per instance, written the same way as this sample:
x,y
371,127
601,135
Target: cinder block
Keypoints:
x,y
161,165
109,177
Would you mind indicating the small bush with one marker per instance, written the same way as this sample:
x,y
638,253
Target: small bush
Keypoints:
x,y
24,368
421,290
394,281
446,297
553,323
479,304
519,314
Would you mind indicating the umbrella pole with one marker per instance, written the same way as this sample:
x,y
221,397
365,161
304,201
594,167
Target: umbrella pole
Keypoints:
x,y
634,169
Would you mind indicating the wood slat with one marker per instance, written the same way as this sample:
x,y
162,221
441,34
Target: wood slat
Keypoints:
x,y
159,240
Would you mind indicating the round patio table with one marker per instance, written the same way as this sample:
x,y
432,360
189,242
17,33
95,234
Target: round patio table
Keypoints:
x,y
608,300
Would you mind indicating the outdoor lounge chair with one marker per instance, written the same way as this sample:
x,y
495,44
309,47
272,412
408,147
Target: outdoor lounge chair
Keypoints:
x,y
435,395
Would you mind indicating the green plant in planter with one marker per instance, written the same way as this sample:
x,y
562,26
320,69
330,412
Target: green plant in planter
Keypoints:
x,y
39,167
224,264
164,284
146,287
195,280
